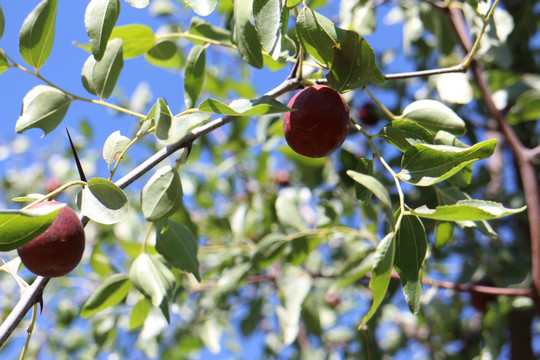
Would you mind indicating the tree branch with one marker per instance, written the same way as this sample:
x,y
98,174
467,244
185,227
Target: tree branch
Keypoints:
x,y
32,294
521,153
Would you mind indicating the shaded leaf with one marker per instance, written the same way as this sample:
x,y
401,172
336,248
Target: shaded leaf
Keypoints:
x,y
365,167
2,23
43,107
404,133
37,34
411,246
373,185
425,165
110,292
244,107
381,273
104,202
20,226
165,54
3,63
353,63
100,77
245,36
318,35
287,210
179,246
161,196
194,75
99,20
202,28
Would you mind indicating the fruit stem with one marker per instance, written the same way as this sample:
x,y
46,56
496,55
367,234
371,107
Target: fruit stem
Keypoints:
x,y
52,194
387,112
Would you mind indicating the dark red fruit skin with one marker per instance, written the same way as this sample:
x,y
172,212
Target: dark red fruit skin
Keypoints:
x,y
320,123
59,249
367,114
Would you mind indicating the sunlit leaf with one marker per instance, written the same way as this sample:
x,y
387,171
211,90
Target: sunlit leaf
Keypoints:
x,y
2,23
104,202
37,34
165,54
472,210
202,7
171,132
244,107
152,277
20,226
43,107
99,20
434,116
110,292
204,29
3,63
139,4
373,185
425,165
271,18
139,313
100,77
113,147
444,231
136,39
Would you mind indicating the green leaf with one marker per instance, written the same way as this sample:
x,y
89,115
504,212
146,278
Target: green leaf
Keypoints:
x,y
20,226
100,77
110,292
434,116
365,167
353,63
202,7
473,210
288,212
165,54
202,28
381,273
245,36
271,18
194,75
3,63
318,35
43,107
2,23
139,4
179,126
99,20
244,107
139,313
450,196
373,185
269,249
137,39
152,277
294,285
179,247
37,34
444,231
425,165
113,147
411,246
162,118
292,3
404,133
162,194
526,108
104,202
